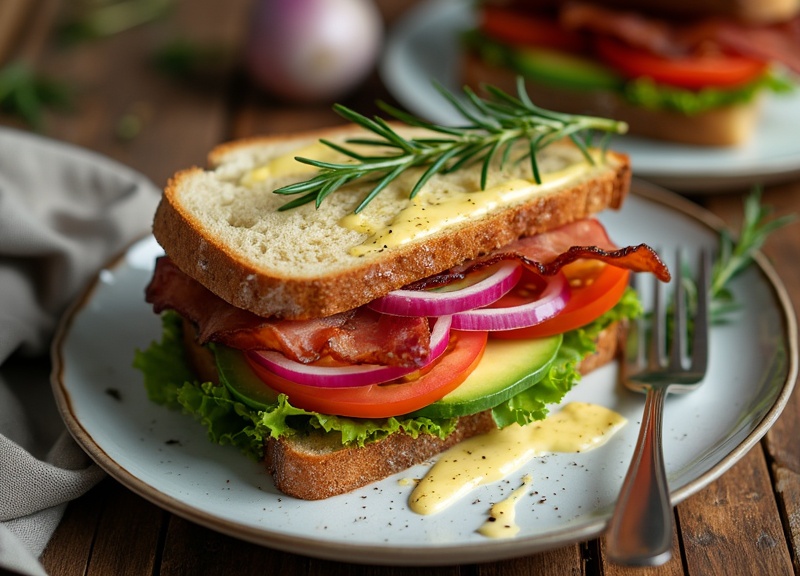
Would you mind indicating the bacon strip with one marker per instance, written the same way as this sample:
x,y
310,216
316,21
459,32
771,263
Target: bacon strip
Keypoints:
x,y
769,42
549,252
363,336
776,43
585,239
359,336
635,29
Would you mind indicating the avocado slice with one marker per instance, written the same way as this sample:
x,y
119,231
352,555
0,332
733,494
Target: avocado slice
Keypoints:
x,y
241,381
564,70
507,368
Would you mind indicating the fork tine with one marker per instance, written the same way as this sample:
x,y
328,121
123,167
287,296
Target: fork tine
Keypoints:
x,y
701,321
635,337
657,336
678,337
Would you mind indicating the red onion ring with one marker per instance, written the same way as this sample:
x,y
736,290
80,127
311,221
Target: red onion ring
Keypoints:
x,y
426,303
352,375
552,300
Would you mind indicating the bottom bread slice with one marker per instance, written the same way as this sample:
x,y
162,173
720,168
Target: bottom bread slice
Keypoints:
x,y
317,466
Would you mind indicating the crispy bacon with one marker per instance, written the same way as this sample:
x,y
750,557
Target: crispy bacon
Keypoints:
x,y
585,239
549,252
363,336
358,336
767,42
635,29
775,43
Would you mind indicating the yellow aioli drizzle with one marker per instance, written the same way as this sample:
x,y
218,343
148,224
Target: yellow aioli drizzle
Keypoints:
x,y
427,214
578,427
501,522
286,165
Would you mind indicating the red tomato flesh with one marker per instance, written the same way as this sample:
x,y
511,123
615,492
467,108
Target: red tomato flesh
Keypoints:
x,y
520,28
692,72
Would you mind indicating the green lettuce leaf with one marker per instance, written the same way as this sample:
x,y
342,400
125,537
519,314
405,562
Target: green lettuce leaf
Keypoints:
x,y
169,380
646,93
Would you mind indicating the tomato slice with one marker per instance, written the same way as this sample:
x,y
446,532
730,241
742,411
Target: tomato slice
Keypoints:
x,y
517,27
692,72
593,294
393,399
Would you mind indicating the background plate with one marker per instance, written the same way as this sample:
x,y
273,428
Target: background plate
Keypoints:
x,y
423,47
166,458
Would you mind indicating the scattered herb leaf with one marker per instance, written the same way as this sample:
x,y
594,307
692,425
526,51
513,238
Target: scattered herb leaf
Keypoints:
x,y
96,20
26,94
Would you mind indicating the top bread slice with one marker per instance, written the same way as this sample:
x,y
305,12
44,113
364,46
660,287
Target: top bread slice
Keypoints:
x,y
222,225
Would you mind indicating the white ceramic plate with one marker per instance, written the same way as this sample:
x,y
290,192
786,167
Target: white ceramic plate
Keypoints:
x,y
165,457
423,47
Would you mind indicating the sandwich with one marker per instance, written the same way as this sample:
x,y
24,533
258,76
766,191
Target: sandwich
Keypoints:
x,y
343,319
688,72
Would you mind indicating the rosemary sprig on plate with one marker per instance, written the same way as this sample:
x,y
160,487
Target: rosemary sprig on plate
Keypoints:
x,y
493,126
736,255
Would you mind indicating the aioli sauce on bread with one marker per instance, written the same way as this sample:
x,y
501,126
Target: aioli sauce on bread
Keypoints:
x,y
437,206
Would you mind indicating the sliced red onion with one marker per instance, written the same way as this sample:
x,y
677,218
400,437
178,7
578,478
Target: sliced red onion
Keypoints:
x,y
352,375
427,303
552,300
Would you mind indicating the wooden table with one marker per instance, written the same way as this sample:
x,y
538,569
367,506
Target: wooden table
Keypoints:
x,y
746,522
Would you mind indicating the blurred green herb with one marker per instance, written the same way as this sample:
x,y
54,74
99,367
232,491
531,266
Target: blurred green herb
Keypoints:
x,y
187,59
26,94
94,20
735,256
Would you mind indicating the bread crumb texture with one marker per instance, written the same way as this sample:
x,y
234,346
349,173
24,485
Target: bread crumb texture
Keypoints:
x,y
223,225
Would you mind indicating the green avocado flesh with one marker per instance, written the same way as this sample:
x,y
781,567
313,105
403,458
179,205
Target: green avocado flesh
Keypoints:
x,y
566,70
508,367
244,385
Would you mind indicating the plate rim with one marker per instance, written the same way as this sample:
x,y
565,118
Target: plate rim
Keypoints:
x,y
396,555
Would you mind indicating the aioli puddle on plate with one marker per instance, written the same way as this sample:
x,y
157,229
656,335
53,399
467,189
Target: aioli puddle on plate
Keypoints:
x,y
577,427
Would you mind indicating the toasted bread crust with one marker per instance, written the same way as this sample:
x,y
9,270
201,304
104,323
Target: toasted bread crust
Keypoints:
x,y
319,467
724,126
268,294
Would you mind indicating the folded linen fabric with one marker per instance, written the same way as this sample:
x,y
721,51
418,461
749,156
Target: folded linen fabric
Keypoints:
x,y
64,212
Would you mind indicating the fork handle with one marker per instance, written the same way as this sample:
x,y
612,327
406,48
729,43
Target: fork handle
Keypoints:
x,y
640,531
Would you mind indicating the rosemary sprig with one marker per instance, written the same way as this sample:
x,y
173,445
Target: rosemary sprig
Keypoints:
x,y
735,256
493,126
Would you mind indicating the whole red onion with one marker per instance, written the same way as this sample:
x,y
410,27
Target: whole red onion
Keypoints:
x,y
312,50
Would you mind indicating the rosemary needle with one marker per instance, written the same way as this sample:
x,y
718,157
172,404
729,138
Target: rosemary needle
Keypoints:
x,y
493,125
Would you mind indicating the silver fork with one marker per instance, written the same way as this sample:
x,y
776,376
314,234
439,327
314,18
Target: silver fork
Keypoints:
x,y
640,531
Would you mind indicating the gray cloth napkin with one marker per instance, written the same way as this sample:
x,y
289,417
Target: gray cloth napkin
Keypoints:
x,y
64,212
